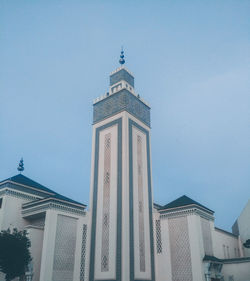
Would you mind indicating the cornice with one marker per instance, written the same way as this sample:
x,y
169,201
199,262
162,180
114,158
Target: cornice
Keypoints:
x,y
51,205
17,194
186,212
26,186
54,199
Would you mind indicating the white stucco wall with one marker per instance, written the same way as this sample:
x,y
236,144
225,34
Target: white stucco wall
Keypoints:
x,y
244,226
11,215
48,246
48,249
196,247
239,271
163,259
110,273
223,240
36,239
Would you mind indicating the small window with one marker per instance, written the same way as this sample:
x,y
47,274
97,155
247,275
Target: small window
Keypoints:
x,y
224,251
1,201
228,255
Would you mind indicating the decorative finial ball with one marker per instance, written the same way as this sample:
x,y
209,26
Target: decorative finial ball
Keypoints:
x,y
20,167
122,60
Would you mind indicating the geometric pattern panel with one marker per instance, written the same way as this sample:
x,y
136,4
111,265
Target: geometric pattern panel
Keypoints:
x,y
106,204
83,252
118,102
207,237
65,244
140,205
180,249
158,236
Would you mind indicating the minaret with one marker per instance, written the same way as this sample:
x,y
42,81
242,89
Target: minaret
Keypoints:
x,y
121,242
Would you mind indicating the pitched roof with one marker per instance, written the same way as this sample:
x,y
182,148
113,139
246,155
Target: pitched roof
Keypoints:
x,y
182,202
21,179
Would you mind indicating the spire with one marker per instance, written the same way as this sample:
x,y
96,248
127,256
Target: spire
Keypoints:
x,y
122,60
20,167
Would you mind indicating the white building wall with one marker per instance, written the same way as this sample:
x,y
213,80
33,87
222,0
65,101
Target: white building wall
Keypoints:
x,y
142,252
237,271
10,213
244,227
224,244
125,196
163,259
196,246
107,248
52,256
48,245
36,238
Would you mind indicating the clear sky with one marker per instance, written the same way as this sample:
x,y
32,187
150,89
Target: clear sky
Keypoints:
x,y
191,63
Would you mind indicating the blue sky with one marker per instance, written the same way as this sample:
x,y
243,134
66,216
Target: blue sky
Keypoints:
x,y
191,63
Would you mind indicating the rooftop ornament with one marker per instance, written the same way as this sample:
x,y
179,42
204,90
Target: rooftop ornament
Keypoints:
x,y
122,60
20,167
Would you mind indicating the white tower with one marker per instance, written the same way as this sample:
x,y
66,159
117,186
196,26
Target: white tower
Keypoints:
x,y
121,242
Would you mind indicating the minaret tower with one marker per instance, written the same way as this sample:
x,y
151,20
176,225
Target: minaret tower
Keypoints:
x,y
121,242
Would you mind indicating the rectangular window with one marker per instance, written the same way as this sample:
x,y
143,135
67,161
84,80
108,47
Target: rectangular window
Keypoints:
x,y
228,255
224,251
1,201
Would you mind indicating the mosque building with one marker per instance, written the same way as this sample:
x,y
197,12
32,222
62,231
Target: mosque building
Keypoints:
x,y
123,235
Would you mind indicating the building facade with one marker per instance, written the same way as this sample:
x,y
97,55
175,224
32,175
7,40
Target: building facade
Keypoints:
x,y
123,236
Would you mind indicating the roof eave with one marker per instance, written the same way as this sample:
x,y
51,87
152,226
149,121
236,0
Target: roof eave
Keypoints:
x,y
51,199
163,210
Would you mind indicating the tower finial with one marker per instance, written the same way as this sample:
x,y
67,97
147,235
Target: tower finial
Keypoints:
x,y
122,60
20,167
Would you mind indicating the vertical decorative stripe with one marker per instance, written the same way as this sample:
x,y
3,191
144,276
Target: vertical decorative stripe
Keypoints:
x,y
119,201
83,252
180,249
140,205
131,199
158,236
106,204
65,244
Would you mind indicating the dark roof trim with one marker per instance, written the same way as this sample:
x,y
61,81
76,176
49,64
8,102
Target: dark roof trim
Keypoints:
x,y
235,260
52,199
157,206
212,258
226,232
185,208
184,201
22,187
28,183
20,181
